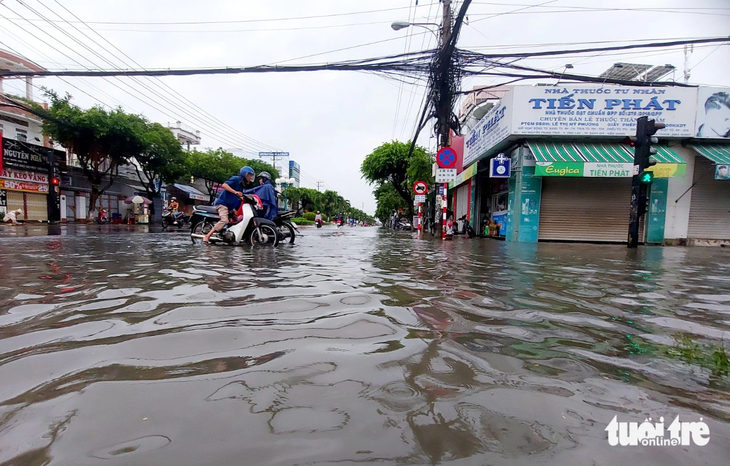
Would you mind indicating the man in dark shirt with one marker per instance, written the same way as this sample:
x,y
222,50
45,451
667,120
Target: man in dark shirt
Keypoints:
x,y
230,198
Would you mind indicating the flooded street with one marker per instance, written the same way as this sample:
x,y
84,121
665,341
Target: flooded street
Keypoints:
x,y
354,346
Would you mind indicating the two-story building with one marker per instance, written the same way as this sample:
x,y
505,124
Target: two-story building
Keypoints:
x,y
571,166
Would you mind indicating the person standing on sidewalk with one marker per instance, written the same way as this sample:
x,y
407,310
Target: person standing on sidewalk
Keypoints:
x,y
230,198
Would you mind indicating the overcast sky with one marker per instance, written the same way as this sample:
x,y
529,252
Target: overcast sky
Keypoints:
x,y
327,121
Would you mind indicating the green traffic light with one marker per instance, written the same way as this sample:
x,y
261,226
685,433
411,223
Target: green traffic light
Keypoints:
x,y
646,177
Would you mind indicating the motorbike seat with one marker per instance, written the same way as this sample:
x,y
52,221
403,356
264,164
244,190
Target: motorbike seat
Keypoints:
x,y
206,208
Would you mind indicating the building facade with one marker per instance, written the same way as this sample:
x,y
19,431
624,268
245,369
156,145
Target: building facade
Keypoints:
x,y
571,166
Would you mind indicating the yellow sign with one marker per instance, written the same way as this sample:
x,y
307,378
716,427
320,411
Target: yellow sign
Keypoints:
x,y
464,175
668,170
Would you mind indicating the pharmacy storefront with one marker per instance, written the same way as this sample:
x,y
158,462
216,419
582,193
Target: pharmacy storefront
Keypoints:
x,y
571,169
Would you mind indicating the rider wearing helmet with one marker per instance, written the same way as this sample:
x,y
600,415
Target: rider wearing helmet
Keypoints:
x,y
230,197
174,206
318,217
266,192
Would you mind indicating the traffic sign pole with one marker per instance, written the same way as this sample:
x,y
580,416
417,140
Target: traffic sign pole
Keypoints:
x,y
420,224
444,203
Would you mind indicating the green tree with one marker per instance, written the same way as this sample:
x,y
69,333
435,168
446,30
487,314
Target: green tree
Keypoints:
x,y
209,167
388,200
391,164
101,140
214,167
161,161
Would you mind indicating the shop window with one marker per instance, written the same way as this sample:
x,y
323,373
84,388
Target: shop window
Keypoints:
x,y
21,135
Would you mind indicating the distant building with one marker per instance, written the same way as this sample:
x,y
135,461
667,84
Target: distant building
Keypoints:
x,y
295,173
185,134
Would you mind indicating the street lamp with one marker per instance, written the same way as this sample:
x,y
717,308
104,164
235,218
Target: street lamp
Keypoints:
x,y
398,25
285,183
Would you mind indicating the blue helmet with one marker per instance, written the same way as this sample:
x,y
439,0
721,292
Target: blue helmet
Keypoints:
x,y
245,171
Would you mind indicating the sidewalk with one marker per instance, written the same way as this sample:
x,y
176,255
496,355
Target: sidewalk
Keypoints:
x,y
76,229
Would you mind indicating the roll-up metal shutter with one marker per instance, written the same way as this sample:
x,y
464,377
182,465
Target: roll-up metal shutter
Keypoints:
x,y
463,194
585,209
15,201
709,210
37,206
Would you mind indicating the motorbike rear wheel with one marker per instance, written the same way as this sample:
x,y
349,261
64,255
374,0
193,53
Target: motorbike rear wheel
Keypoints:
x,y
264,235
201,228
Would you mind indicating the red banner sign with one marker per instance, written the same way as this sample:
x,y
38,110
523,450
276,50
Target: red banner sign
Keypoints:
x,y
24,186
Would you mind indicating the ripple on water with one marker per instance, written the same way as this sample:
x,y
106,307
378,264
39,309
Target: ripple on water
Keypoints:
x,y
130,448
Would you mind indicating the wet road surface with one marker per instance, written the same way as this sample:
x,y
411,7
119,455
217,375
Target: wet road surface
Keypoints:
x,y
354,346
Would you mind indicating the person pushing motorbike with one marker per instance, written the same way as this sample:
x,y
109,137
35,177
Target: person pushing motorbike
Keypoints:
x,y
266,192
230,197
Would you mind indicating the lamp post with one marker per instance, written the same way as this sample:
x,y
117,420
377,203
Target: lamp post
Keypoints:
x,y
398,25
285,183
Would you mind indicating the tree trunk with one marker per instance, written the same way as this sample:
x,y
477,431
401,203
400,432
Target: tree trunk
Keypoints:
x,y
93,198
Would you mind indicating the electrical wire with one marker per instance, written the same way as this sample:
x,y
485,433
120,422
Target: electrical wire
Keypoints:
x,y
406,48
296,18
174,93
136,93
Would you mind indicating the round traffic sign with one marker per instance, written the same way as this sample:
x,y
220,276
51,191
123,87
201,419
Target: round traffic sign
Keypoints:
x,y
420,187
446,157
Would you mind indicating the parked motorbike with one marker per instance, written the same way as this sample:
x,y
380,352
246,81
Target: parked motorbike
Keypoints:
x,y
466,228
243,225
168,219
286,228
102,217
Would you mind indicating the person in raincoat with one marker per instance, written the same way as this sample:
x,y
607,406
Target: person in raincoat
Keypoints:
x,y
11,216
266,192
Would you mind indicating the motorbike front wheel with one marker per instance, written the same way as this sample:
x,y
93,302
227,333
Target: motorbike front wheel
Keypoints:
x,y
165,223
201,228
286,226
264,235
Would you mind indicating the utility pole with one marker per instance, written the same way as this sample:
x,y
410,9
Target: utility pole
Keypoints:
x,y
688,49
319,185
443,109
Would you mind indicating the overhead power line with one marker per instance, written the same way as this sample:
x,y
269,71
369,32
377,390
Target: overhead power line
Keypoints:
x,y
260,20
225,128
408,64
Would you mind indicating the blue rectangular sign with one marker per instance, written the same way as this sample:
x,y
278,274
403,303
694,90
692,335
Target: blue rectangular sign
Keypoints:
x,y
500,167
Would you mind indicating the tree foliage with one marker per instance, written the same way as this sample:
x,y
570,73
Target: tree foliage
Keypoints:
x,y
161,161
215,166
101,140
393,172
389,201
329,203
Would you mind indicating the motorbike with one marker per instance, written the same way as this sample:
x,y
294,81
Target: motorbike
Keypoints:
x,y
169,219
319,223
286,228
243,225
466,228
102,217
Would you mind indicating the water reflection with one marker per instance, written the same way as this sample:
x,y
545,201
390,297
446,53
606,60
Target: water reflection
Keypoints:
x,y
352,346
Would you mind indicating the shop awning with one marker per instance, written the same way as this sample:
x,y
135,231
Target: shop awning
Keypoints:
x,y
555,152
191,192
718,153
603,160
613,153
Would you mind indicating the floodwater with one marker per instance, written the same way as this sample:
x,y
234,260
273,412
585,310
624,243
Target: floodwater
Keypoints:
x,y
354,346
